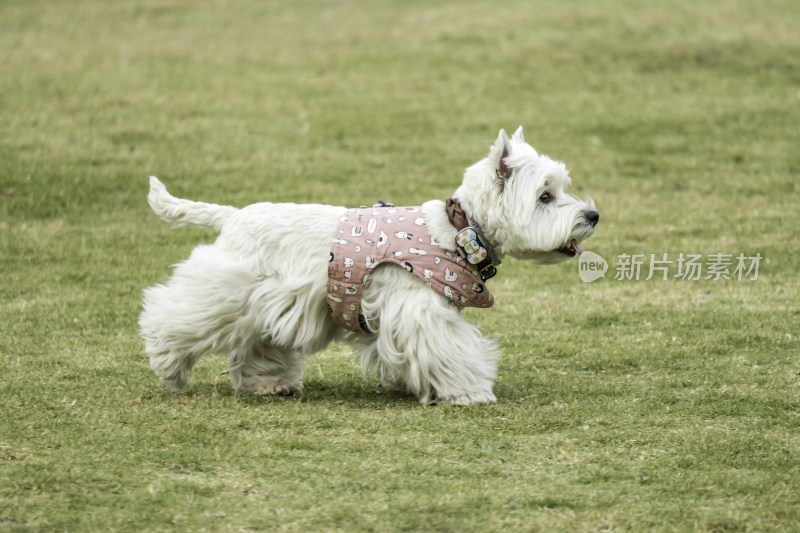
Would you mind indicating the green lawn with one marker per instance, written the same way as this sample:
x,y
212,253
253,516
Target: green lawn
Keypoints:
x,y
622,405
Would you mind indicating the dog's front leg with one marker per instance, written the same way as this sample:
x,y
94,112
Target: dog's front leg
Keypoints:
x,y
422,342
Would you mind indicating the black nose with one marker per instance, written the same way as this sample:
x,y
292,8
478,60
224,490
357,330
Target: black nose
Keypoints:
x,y
592,217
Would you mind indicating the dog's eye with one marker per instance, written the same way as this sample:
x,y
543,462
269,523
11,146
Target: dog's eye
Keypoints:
x,y
546,198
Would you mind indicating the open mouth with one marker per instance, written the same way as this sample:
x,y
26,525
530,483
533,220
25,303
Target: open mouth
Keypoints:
x,y
571,250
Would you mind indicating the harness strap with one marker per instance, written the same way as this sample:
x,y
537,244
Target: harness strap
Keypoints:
x,y
471,243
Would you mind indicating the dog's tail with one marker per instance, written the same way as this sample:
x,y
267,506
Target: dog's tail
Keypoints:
x,y
180,212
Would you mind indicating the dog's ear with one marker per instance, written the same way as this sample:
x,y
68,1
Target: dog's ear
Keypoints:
x,y
498,154
518,135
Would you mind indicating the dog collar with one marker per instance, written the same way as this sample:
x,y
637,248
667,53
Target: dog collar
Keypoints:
x,y
471,243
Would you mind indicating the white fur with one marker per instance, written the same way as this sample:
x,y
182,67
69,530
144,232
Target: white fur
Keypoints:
x,y
259,292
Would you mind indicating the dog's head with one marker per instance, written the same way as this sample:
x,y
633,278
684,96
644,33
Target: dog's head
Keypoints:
x,y
519,198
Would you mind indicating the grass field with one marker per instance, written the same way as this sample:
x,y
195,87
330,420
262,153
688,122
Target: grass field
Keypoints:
x,y
665,405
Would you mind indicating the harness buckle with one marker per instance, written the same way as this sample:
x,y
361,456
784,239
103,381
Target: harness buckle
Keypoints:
x,y
489,271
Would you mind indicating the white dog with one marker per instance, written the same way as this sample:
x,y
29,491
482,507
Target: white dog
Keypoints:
x,y
276,287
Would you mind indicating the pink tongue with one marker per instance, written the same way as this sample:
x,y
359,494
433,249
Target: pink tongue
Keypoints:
x,y
576,247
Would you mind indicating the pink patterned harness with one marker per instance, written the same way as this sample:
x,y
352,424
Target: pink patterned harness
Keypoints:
x,y
369,236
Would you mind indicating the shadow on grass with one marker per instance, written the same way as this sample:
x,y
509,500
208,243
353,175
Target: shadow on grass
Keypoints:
x,y
351,395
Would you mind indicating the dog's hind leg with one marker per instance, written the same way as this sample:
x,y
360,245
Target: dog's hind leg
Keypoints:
x,y
264,369
202,308
422,342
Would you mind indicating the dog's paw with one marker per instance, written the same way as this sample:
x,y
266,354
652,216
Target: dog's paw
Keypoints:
x,y
269,386
472,398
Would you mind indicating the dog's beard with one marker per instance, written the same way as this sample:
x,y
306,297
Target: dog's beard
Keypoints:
x,y
546,257
567,250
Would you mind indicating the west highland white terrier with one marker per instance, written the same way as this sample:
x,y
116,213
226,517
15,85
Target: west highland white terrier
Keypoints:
x,y
284,280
